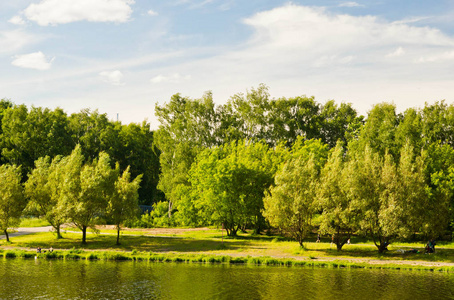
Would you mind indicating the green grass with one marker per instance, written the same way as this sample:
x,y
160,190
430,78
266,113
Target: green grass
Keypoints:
x,y
208,259
33,222
209,242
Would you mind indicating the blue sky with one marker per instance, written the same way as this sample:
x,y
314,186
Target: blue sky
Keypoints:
x,y
123,56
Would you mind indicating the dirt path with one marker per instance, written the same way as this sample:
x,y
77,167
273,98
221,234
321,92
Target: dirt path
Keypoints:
x,y
26,230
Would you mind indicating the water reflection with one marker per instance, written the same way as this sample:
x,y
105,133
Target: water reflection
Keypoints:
x,y
41,279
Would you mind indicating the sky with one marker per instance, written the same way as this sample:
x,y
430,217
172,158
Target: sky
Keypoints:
x,y
124,56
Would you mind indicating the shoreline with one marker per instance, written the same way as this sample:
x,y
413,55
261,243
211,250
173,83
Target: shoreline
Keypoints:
x,y
113,255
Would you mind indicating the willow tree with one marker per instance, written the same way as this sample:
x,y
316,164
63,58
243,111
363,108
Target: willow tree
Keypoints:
x,y
12,200
123,203
291,203
44,189
340,215
390,195
88,189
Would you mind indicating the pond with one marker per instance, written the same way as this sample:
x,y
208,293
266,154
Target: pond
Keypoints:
x,y
60,279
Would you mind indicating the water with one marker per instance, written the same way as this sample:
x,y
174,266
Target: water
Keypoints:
x,y
58,279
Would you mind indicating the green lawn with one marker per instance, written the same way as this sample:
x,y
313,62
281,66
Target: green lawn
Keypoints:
x,y
213,242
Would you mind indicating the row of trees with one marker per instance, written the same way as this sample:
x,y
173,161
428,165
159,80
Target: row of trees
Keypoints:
x,y
359,190
389,177
69,189
27,134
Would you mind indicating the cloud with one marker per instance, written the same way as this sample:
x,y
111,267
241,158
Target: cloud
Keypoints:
x,y
112,77
152,13
350,4
14,40
304,33
52,12
16,20
36,60
175,78
398,52
445,56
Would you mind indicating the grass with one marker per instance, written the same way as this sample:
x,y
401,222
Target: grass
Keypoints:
x,y
33,222
209,243
75,254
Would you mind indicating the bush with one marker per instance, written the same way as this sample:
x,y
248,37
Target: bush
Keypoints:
x,y
10,254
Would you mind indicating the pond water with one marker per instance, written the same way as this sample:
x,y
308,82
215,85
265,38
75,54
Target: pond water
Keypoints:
x,y
59,279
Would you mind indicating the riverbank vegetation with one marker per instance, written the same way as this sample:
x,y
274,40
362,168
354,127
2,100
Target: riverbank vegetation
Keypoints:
x,y
255,163
208,246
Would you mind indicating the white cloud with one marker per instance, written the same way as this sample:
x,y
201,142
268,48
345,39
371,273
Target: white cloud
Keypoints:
x,y
36,60
398,52
112,77
445,56
17,20
175,78
12,41
52,12
350,4
152,13
302,33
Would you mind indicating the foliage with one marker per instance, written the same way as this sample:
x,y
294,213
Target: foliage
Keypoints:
x,y
291,204
12,200
122,203
228,184
340,217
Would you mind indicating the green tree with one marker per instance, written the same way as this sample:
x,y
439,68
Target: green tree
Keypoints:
x,y
30,134
137,150
228,184
379,130
340,216
187,127
44,190
123,203
338,123
12,200
292,202
390,196
96,183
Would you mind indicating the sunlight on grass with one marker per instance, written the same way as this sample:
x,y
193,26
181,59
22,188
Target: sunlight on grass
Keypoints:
x,y
33,222
210,242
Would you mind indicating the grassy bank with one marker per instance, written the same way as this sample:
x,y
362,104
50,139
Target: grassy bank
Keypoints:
x,y
77,254
212,244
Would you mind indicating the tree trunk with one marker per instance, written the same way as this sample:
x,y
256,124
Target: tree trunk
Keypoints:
x,y
6,234
84,234
170,209
57,229
118,234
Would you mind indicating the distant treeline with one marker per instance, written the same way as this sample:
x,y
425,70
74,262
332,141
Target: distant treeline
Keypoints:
x,y
27,134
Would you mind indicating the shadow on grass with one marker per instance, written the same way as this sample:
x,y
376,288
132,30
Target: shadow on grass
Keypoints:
x,y
441,255
127,243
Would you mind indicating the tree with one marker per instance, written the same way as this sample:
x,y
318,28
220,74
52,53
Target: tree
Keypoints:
x,y
379,130
187,127
94,132
44,190
123,203
340,217
338,123
12,200
136,149
88,197
31,134
228,184
391,196
291,203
